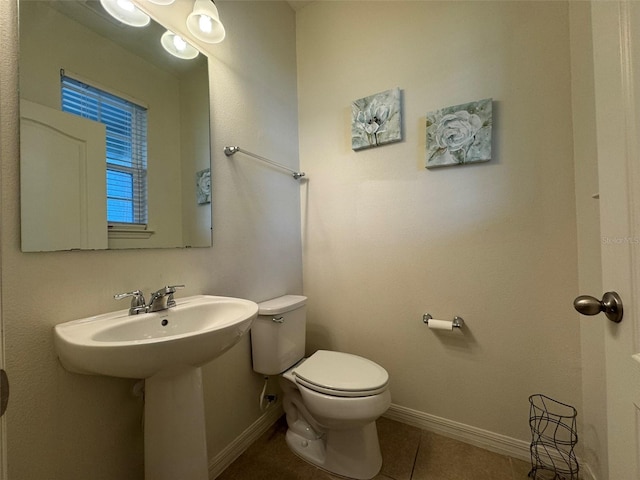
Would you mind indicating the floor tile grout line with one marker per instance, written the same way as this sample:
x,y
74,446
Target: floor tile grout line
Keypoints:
x,y
415,458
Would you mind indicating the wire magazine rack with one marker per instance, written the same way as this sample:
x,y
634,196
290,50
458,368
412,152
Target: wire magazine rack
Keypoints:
x,y
553,438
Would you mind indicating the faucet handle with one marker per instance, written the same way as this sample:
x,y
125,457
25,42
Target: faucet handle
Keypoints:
x,y
171,290
137,301
163,298
168,290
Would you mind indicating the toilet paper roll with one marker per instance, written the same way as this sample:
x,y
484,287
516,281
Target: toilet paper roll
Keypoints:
x,y
440,324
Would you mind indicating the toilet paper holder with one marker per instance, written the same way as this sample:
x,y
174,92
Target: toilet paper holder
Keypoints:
x,y
458,322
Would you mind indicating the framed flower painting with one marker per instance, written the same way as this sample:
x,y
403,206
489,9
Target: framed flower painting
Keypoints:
x,y
460,134
203,186
376,120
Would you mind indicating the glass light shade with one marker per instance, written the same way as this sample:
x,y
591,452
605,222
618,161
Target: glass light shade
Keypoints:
x,y
177,46
204,22
126,12
162,2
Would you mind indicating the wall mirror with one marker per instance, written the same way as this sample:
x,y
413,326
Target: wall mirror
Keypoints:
x,y
75,57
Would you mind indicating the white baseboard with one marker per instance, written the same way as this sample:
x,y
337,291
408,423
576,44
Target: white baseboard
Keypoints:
x,y
587,474
494,442
459,431
232,451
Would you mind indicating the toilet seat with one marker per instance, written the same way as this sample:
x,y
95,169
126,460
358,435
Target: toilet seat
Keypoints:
x,y
341,374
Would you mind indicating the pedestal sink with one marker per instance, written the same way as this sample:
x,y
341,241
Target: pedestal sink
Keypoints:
x,y
167,349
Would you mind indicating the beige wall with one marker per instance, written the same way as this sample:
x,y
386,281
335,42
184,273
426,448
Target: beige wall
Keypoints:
x,y
65,426
592,330
385,240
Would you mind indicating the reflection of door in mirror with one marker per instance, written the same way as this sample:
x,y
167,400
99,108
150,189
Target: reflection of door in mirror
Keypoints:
x,y
175,92
62,204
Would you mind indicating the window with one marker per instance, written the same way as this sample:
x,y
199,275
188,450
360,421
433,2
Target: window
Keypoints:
x,y
126,125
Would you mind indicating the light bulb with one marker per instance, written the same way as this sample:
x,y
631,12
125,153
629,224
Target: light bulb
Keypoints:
x,y
205,24
178,46
126,12
126,5
179,43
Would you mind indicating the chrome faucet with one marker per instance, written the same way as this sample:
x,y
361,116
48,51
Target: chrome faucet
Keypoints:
x,y
137,301
160,300
163,298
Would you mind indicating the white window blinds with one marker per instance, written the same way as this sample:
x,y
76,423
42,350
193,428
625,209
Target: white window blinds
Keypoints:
x,y
126,126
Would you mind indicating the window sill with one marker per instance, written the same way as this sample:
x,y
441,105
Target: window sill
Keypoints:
x,y
124,232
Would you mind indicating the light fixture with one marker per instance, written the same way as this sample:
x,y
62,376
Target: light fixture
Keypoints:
x,y
162,2
126,12
177,46
204,22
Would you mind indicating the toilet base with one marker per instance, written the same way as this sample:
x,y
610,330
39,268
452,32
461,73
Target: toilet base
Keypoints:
x,y
351,453
311,451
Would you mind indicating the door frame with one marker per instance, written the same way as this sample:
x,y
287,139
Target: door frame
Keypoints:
x,y
9,152
615,40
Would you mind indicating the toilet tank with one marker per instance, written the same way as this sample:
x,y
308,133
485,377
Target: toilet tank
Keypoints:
x,y
278,334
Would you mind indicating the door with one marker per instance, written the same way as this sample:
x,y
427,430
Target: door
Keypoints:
x,y
62,164
616,46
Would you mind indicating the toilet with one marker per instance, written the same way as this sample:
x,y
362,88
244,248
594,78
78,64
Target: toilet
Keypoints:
x,y
331,399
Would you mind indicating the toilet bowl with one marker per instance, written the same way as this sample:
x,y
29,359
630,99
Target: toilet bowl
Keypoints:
x,y
331,399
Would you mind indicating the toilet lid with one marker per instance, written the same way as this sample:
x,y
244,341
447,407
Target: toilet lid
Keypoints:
x,y
282,304
341,374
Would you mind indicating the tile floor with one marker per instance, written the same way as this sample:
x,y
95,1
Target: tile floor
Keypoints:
x,y
408,453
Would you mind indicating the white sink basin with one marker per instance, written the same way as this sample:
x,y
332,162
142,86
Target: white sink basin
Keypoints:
x,y
194,332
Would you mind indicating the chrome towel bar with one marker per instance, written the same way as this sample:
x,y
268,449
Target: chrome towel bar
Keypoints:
x,y
228,151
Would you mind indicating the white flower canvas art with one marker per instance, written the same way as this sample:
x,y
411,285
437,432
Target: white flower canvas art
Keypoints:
x,y
459,134
376,120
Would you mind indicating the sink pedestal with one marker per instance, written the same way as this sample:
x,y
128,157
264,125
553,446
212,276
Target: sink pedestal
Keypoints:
x,y
175,443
